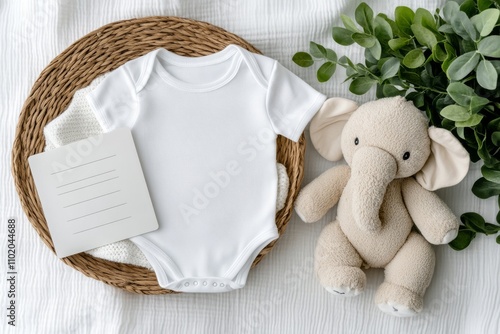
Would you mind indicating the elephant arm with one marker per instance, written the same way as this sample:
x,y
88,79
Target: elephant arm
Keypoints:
x,y
437,223
322,194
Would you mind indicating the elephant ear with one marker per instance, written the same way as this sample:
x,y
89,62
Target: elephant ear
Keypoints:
x,y
448,163
326,127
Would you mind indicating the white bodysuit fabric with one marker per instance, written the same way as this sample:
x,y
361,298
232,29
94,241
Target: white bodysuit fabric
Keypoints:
x,y
205,130
79,122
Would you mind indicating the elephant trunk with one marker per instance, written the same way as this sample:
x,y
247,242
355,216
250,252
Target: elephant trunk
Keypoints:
x,y
372,171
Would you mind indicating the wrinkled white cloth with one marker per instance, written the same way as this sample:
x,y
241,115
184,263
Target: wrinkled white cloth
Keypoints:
x,y
282,295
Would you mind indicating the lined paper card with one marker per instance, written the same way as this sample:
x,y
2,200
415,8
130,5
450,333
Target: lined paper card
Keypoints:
x,y
93,192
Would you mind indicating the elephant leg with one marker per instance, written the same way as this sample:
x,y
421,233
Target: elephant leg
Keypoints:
x,y
407,277
337,264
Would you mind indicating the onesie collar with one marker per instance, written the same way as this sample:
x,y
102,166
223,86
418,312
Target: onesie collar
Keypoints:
x,y
230,53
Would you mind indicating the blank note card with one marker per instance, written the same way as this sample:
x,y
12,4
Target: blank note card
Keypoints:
x,y
93,192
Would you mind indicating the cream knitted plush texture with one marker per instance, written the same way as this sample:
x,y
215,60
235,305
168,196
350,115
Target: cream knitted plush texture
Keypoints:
x,y
393,160
78,122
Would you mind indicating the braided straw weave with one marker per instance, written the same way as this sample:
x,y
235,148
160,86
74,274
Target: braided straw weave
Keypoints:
x,y
98,52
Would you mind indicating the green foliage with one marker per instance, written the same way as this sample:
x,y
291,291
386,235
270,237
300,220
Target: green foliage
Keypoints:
x,y
472,224
447,63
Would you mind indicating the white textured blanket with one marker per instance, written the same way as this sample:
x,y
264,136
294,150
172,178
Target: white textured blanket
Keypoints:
x,y
282,295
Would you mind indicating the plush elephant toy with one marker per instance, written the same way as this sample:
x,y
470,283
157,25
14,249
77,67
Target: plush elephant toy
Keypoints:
x,y
394,162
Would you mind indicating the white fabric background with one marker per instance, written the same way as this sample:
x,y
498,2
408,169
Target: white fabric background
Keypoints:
x,y
282,295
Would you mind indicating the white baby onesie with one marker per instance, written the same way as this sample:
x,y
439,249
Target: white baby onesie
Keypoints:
x,y
205,130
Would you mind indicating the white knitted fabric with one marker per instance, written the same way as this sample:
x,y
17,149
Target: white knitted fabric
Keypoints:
x,y
283,186
78,122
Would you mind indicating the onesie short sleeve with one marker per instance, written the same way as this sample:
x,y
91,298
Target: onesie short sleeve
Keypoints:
x,y
291,102
114,101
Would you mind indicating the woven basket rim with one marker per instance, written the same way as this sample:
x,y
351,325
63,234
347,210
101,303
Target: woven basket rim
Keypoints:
x,y
98,52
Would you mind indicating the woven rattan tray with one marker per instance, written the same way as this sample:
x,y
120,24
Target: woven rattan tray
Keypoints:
x,y
94,54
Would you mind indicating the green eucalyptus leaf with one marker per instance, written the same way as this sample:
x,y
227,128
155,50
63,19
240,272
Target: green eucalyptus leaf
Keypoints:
x,y
450,9
466,45
450,50
486,75
427,78
331,55
469,7
413,59
463,26
473,221
463,65
398,43
447,124
476,223
446,64
346,62
342,36
404,19
480,138
461,132
363,70
303,59
455,113
482,150
382,29
376,50
390,91
463,240
489,229
389,69
392,23
412,78
370,58
360,86
396,81
477,103
425,18
490,46
365,40
364,16
349,23
473,120
440,79
381,62
498,240
326,71
461,93
446,29
485,21
483,188
351,73
495,138
494,125
417,98
491,175
483,4
450,56
423,35
379,94
316,50
496,65
439,53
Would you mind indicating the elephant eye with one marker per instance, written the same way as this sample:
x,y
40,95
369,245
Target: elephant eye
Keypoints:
x,y
406,156
356,141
